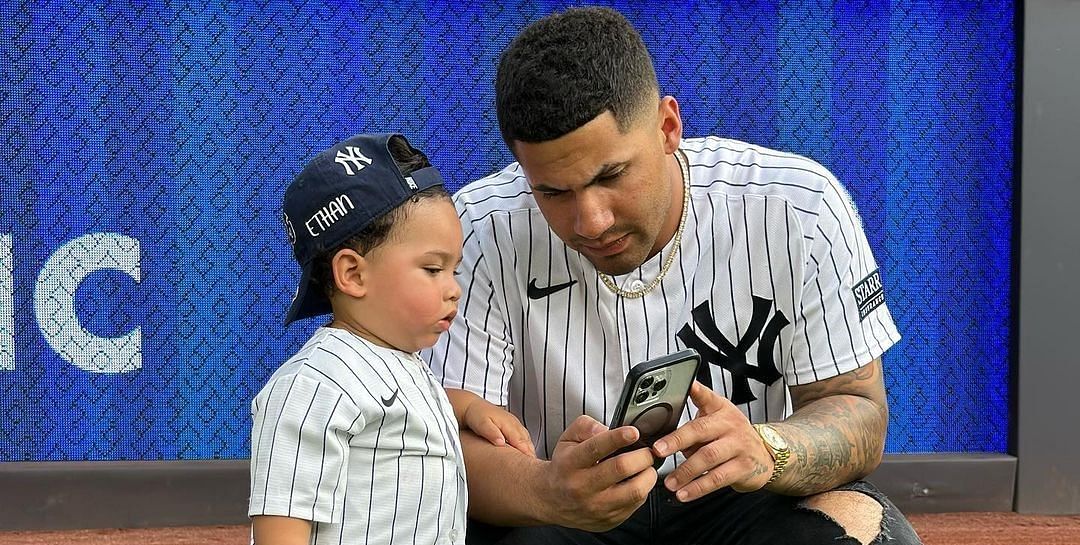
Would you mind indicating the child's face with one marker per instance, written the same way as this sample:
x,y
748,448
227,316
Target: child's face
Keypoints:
x,y
412,293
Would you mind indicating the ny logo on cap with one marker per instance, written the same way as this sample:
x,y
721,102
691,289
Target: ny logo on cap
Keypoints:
x,y
358,160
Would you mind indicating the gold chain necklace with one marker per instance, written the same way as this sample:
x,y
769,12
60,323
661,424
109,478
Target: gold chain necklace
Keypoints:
x,y
641,292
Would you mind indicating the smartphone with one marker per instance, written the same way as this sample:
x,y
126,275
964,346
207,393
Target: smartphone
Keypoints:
x,y
654,396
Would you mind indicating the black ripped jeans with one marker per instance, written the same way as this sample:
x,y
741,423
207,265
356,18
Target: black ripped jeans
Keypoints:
x,y
724,517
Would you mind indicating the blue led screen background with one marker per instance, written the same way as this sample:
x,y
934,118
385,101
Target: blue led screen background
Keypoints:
x,y
144,272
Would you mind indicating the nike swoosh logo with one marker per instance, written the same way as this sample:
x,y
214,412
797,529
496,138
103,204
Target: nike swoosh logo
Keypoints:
x,y
535,292
389,402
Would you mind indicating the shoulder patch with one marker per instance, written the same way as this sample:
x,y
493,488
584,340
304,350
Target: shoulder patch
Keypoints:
x,y
869,294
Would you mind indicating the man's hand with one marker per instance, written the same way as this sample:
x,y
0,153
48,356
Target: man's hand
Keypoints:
x,y
836,435
583,490
721,448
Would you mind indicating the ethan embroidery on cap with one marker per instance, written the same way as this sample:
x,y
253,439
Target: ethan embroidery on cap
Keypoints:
x,y
327,215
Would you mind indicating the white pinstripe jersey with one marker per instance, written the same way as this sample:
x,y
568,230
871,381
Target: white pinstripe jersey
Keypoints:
x,y
362,441
775,285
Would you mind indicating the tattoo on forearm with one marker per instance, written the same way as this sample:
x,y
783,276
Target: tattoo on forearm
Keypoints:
x,y
838,433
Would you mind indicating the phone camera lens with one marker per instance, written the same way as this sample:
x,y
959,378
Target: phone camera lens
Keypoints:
x,y
641,397
659,385
645,382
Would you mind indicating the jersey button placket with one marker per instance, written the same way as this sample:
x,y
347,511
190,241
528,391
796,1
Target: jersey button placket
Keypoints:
x,y
635,285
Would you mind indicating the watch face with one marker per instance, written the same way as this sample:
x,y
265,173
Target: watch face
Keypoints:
x,y
775,440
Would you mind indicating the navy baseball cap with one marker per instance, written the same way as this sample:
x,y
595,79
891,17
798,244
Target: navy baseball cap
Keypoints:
x,y
337,194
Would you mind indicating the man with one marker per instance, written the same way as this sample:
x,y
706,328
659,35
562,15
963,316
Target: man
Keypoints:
x,y
612,241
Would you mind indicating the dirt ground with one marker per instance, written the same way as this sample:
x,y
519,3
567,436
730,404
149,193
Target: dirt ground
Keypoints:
x,y
935,529
997,529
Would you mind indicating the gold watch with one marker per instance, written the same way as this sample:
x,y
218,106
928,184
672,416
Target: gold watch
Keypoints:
x,y
778,448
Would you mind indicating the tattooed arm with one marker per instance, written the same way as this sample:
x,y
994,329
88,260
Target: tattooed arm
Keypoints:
x,y
837,433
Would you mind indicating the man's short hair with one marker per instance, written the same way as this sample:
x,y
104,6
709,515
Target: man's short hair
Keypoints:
x,y
567,68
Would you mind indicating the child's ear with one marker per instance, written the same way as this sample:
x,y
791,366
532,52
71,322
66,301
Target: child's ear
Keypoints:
x,y
350,273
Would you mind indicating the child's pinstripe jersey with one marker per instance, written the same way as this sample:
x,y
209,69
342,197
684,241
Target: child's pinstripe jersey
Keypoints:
x,y
362,441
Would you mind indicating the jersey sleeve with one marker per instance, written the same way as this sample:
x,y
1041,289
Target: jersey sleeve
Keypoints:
x,y
842,322
300,449
477,352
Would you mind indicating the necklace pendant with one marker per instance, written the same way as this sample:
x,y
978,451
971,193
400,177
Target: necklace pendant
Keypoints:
x,y
643,290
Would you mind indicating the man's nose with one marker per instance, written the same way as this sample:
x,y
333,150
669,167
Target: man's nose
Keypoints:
x,y
594,216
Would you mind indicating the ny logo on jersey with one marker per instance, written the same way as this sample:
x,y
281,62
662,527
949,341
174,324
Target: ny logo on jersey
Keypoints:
x,y
733,357
354,157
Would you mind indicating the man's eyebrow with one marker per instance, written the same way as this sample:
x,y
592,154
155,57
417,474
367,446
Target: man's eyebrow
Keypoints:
x,y
605,170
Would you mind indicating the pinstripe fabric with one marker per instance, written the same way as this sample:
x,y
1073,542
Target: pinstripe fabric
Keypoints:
x,y
772,250
361,440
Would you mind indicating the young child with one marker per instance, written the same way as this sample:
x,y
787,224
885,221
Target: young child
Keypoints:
x,y
353,440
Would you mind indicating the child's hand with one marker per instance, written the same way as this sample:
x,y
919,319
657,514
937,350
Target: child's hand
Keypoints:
x,y
498,426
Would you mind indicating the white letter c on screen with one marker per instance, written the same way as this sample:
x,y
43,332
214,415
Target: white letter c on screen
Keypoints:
x,y
54,303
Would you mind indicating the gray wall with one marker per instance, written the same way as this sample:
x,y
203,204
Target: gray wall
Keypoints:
x,y
1048,445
